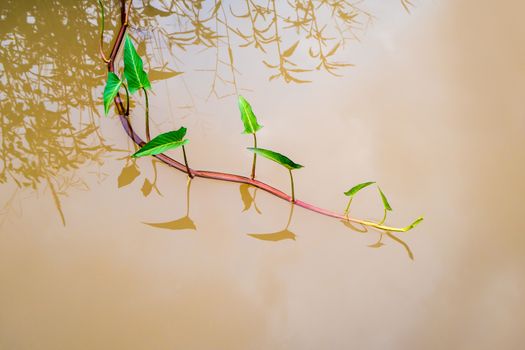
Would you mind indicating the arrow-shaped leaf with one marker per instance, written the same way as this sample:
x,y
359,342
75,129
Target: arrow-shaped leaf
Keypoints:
x,y
134,68
276,157
111,90
385,201
248,117
351,192
162,143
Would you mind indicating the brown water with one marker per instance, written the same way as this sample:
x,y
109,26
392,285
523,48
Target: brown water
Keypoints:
x,y
433,110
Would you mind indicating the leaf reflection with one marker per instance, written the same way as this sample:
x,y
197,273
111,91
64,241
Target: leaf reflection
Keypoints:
x,y
183,223
279,235
128,174
247,198
379,243
50,72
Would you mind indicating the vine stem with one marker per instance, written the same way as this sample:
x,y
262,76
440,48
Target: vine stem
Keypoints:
x,y
291,182
347,209
102,20
225,176
148,136
127,98
188,169
254,156
383,219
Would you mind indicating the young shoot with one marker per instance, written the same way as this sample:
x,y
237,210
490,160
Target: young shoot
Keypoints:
x,y
136,77
386,205
281,159
353,191
250,126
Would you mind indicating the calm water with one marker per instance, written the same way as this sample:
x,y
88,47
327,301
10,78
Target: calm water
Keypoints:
x,y
100,252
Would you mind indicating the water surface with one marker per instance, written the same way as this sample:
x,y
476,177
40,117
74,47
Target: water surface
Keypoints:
x,y
99,251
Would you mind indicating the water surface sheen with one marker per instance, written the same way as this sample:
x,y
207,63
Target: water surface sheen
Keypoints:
x,y
99,251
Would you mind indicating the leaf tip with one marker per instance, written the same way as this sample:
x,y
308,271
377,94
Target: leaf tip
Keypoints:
x,y
386,204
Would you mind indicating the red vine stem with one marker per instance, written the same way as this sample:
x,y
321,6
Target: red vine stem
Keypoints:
x,y
123,114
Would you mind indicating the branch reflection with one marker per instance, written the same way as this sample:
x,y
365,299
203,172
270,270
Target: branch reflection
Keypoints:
x,y
379,243
51,76
279,235
183,223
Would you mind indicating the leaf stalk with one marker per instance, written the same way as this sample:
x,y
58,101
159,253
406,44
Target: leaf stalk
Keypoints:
x,y
148,136
188,170
102,54
383,219
254,156
347,209
127,99
291,181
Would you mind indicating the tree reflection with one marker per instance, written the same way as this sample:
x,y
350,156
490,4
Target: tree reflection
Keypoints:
x,y
51,76
48,72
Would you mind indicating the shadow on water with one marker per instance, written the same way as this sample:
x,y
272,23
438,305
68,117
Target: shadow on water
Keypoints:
x,y
51,73
48,112
379,243
183,223
248,199
279,235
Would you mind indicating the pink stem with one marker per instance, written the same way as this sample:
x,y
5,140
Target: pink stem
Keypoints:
x,y
227,177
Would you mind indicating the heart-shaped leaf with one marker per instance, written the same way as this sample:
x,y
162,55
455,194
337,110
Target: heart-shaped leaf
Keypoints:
x,y
134,68
276,157
162,143
111,90
385,201
248,117
351,192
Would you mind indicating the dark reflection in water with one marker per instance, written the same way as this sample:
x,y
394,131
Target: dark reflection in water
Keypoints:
x,y
247,198
279,235
52,75
48,70
183,223
379,243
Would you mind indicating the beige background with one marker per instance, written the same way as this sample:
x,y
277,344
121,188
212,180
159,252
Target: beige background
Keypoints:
x,y
433,111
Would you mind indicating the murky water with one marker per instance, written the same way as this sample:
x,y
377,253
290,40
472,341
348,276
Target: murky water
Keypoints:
x,y
101,252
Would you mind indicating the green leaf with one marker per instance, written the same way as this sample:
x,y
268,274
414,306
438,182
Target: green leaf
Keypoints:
x,y
111,90
276,157
414,224
385,201
133,68
162,143
351,192
248,118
